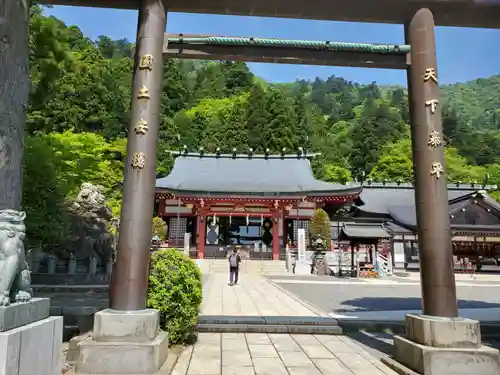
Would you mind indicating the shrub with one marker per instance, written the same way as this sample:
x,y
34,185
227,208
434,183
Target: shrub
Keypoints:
x,y
159,228
175,288
319,228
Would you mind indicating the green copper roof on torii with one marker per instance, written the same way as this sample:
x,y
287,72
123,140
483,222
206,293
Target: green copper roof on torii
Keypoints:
x,y
309,44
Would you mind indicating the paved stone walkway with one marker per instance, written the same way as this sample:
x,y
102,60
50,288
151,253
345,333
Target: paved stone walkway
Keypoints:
x,y
276,354
269,354
253,296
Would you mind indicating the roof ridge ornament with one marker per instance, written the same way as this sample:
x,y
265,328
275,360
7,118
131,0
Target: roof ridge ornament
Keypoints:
x,y
283,152
184,151
300,153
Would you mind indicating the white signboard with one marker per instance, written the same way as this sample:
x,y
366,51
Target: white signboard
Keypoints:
x,y
399,255
302,266
301,245
187,243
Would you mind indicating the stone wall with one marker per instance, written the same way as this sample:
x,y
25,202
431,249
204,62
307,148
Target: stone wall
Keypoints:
x,y
71,272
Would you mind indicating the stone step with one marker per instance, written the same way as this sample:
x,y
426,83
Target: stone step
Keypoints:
x,y
267,319
270,328
268,324
488,329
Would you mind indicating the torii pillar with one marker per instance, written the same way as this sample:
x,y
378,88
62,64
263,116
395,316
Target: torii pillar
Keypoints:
x,y
437,342
128,331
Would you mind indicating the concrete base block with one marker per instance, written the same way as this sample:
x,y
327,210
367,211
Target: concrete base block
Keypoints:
x,y
32,349
302,268
427,360
73,346
442,332
97,357
20,314
126,326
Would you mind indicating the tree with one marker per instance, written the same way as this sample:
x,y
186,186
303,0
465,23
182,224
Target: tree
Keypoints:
x,y
159,228
48,54
257,117
395,164
45,190
277,133
176,93
210,83
376,124
336,173
238,77
55,166
319,230
80,98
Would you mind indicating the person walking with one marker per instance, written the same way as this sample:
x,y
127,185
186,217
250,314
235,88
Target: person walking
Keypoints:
x,y
234,267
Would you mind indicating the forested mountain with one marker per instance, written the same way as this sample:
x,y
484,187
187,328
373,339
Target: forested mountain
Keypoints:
x,y
78,118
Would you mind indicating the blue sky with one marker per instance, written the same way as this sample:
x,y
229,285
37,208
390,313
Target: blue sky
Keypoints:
x,y
463,54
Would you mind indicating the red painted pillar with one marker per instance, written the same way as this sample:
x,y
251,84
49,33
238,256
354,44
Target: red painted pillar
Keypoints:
x,y
200,230
161,208
276,238
284,228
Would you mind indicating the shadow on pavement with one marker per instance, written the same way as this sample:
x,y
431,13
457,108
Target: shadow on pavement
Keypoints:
x,y
378,343
403,303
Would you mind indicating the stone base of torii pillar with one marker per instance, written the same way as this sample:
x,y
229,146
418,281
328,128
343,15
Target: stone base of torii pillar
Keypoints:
x,y
442,346
122,342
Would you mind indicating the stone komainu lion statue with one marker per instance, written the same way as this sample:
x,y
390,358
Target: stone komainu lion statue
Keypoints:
x,y
91,197
15,276
89,229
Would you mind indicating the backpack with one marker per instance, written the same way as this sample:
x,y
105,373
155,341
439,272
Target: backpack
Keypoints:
x,y
233,260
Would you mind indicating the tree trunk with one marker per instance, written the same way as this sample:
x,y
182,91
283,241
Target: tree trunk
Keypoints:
x,y
14,91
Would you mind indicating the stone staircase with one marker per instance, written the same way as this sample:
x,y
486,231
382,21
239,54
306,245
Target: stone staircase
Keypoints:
x,y
255,267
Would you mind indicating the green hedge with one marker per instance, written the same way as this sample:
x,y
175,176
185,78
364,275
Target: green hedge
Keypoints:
x,y
175,288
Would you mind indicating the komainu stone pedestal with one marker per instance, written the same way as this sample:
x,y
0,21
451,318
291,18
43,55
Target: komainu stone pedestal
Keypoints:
x,y
302,268
442,346
30,340
123,342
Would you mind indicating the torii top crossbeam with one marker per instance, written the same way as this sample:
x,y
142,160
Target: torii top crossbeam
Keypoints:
x,y
465,13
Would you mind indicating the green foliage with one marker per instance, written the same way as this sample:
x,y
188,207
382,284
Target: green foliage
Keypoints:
x,y
319,228
44,194
159,228
55,166
175,289
79,109
336,173
395,164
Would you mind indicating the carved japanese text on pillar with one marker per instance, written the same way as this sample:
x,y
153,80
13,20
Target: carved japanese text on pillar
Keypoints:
x,y
432,103
141,128
430,74
146,62
143,93
434,139
437,169
138,160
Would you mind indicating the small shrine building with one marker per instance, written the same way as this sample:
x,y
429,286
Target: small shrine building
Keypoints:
x,y
255,202
385,215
